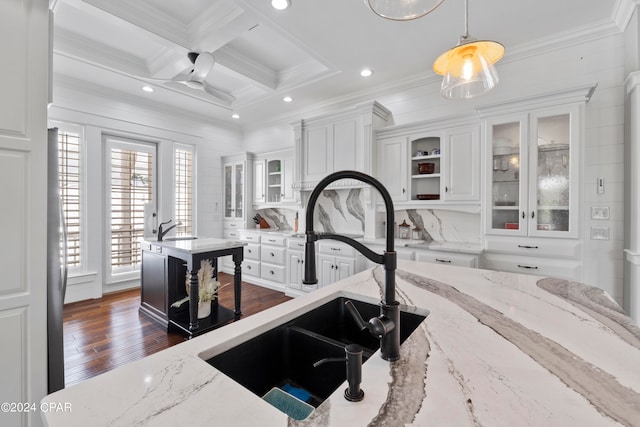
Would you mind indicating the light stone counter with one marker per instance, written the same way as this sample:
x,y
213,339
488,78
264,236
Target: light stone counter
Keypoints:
x,y
498,349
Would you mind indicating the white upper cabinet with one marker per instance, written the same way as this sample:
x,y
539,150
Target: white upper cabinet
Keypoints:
x,y
392,167
259,193
338,141
431,163
237,173
461,153
532,171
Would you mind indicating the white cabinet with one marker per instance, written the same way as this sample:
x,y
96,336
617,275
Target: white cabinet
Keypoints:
x,y
273,260
295,268
273,178
461,153
430,163
392,166
448,258
533,169
336,261
259,193
236,175
337,141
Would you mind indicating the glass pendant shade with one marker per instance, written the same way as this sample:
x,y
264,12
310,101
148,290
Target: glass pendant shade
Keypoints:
x,y
402,10
468,68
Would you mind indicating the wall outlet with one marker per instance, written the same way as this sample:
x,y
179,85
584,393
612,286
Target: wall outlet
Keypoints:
x,y
599,233
600,212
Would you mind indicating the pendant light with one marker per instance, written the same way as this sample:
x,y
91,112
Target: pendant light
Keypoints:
x,y
468,68
402,10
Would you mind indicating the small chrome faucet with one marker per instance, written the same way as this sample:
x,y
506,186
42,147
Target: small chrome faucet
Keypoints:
x,y
162,233
385,327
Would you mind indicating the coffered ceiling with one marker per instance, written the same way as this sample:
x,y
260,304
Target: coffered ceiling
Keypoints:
x,y
312,52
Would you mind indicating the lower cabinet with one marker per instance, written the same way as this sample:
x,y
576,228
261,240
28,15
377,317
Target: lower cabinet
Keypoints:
x,y
336,261
538,256
448,258
153,288
295,267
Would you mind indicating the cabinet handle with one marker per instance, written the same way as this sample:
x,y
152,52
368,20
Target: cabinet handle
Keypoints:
x,y
249,250
404,191
527,247
272,272
533,214
272,254
523,215
446,189
301,245
271,240
232,225
336,249
443,260
248,267
532,267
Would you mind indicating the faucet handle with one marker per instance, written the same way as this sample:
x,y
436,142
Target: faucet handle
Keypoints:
x,y
377,326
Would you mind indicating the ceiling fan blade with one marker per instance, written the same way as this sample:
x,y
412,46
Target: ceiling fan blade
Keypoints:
x,y
202,65
218,93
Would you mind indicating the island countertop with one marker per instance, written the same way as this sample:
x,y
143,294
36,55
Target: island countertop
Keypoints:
x,y
497,349
196,246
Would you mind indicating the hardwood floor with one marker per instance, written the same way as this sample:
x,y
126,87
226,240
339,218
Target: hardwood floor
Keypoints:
x,y
105,333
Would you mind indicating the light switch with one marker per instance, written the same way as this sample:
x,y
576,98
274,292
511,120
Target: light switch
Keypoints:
x,y
599,233
600,185
600,212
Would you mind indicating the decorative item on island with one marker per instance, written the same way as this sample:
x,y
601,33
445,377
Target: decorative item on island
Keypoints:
x,y
207,288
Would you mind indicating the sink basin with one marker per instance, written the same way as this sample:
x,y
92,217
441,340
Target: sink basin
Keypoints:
x,y
175,239
285,354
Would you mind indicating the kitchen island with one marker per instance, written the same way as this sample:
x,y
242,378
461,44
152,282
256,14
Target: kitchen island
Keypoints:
x,y
497,349
163,281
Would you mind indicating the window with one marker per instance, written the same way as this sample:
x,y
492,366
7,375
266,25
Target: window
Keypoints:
x,y
132,177
70,184
184,190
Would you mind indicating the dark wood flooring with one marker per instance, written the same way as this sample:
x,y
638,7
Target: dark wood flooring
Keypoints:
x,y
104,333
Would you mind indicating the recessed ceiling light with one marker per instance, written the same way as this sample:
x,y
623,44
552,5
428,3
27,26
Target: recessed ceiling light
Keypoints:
x,y
281,4
366,72
147,89
287,99
235,116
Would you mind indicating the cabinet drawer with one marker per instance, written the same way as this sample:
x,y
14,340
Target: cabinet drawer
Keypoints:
x,y
231,224
296,244
252,251
273,254
247,236
532,265
274,240
447,258
251,268
550,248
275,273
335,248
230,233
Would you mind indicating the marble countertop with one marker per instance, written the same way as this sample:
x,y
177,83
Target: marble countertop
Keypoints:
x,y
497,349
199,245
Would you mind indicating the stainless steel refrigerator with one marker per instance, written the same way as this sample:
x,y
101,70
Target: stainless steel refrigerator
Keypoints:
x,y
56,268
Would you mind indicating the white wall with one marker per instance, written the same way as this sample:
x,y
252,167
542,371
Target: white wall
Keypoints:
x,y
102,114
572,61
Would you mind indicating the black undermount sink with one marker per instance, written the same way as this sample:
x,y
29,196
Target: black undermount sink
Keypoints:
x,y
286,353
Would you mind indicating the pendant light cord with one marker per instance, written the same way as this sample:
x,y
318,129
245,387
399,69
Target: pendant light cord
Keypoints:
x,y
466,20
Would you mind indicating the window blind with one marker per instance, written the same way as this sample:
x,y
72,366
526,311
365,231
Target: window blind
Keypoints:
x,y
131,188
184,191
70,191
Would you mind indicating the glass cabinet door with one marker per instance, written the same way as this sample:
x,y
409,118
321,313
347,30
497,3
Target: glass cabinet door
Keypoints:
x,y
508,184
228,191
239,190
551,154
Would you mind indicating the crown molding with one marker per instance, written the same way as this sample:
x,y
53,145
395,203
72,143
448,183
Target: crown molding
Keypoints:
x,y
80,87
623,12
632,81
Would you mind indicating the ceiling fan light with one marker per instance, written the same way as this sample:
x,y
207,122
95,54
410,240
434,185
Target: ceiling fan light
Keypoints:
x,y
281,4
402,10
468,68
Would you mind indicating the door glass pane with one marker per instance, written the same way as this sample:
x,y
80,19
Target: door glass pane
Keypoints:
x,y
553,186
505,176
228,183
239,180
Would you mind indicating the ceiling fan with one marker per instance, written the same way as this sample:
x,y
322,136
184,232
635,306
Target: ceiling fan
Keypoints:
x,y
195,79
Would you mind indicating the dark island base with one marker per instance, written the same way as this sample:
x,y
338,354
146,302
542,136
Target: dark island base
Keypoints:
x,y
220,316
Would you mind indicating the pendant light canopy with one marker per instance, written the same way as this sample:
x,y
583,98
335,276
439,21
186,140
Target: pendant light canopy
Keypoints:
x,y
402,10
468,68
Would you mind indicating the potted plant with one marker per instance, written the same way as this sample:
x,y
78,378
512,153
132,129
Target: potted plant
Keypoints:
x,y
207,288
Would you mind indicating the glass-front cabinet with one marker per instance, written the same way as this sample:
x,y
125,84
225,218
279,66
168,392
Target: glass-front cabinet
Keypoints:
x,y
234,182
532,174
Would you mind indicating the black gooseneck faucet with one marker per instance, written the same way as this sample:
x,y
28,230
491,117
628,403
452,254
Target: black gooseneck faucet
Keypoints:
x,y
386,327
